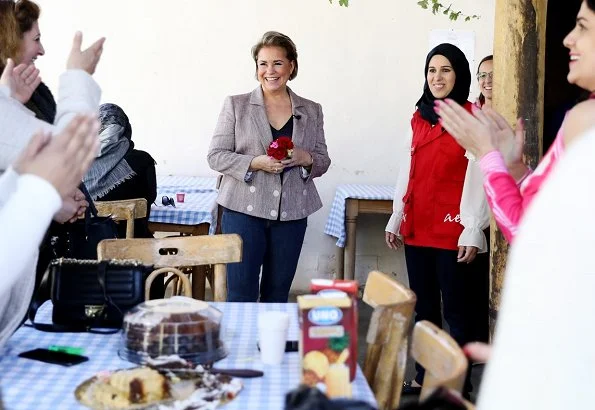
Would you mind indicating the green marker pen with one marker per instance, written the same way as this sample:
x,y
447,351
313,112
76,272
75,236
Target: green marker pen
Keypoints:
x,y
67,349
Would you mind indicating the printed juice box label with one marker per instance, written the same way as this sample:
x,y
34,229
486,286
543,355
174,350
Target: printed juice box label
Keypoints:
x,y
327,329
350,287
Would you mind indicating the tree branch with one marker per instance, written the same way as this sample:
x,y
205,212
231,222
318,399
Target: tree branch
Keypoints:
x,y
438,7
344,3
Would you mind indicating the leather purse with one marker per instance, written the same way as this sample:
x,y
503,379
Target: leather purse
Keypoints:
x,y
91,294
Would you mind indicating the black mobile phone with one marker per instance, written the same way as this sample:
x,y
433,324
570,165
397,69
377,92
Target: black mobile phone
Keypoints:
x,y
290,346
53,357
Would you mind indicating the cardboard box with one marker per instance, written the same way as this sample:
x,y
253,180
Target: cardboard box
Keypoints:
x,y
327,347
351,287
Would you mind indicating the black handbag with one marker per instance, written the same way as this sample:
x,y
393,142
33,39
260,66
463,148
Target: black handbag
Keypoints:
x,y
83,235
91,294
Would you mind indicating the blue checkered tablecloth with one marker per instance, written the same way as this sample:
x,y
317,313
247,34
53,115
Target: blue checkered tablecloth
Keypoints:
x,y
199,204
187,183
198,208
28,384
335,224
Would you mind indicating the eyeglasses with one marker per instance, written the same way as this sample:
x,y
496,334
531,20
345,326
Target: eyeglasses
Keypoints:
x,y
483,76
166,200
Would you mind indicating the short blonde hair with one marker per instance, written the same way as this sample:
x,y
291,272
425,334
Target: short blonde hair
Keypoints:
x,y
276,39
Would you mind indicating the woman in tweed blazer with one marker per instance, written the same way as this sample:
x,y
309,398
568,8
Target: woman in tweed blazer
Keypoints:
x,y
267,201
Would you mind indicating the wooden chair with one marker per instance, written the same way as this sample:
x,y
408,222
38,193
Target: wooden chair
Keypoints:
x,y
388,334
124,210
177,273
180,251
442,358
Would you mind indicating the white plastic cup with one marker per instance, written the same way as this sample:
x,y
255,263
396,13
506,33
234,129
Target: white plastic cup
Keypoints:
x,y
272,335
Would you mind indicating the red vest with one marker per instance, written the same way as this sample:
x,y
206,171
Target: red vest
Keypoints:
x,y
431,216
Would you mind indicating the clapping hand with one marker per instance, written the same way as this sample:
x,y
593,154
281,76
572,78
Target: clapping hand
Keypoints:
x,y
84,59
474,134
485,131
509,142
22,80
63,159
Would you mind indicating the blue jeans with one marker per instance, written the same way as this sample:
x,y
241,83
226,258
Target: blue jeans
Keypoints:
x,y
273,245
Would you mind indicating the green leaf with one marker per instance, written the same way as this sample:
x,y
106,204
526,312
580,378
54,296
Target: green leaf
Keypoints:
x,y
344,3
452,14
339,343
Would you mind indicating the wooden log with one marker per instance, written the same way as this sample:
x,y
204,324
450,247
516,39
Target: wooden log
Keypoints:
x,y
519,68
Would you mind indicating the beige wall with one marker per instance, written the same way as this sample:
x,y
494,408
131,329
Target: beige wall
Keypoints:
x,y
170,64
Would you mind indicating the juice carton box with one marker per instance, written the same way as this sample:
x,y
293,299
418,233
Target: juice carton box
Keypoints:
x,y
351,287
326,347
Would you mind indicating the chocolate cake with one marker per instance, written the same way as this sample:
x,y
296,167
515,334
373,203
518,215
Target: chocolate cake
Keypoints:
x,y
179,326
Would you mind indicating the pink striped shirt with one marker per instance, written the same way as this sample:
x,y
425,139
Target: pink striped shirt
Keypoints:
x,y
506,198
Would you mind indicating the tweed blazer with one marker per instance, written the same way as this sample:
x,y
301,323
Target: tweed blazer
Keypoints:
x,y
242,133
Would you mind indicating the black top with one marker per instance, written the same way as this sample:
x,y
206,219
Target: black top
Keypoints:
x,y
285,131
42,103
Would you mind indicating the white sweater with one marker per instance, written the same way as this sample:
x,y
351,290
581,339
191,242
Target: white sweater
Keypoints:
x,y
78,93
27,205
543,354
27,202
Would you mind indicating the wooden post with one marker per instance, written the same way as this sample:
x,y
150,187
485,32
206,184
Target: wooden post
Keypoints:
x,y
519,60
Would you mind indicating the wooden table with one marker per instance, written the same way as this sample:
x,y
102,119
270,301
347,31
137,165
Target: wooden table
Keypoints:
x,y
354,207
200,229
350,201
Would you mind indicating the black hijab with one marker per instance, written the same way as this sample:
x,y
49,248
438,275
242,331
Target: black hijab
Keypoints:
x,y
460,91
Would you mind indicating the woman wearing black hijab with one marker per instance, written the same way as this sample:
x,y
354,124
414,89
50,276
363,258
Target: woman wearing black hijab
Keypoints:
x,y
439,210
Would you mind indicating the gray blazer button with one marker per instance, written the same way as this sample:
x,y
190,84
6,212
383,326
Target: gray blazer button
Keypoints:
x,y
283,214
250,208
273,213
275,193
305,192
253,189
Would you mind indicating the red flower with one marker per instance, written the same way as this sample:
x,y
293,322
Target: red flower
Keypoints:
x,y
280,148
